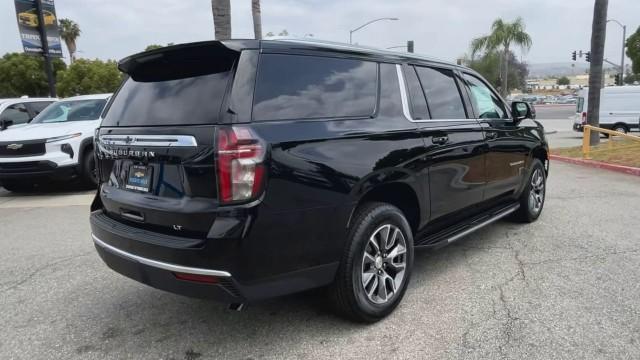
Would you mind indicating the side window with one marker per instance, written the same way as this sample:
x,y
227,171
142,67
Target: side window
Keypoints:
x,y
443,95
37,107
418,103
307,87
17,113
486,102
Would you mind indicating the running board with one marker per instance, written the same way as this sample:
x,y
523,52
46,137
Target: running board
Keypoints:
x,y
448,236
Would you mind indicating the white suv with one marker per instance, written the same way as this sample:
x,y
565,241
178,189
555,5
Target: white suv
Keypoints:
x,y
56,145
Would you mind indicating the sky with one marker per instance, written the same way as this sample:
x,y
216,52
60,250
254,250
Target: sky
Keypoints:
x,y
113,29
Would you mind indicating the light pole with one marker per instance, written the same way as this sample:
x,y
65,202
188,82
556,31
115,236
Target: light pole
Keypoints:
x,y
624,41
365,24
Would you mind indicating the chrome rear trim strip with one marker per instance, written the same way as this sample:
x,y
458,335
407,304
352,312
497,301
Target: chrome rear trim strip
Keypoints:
x,y
159,264
150,140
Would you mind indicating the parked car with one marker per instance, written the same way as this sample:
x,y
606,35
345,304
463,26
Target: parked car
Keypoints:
x,y
619,108
567,99
21,110
57,145
242,170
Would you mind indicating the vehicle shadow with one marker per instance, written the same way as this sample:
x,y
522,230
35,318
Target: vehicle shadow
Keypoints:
x,y
154,318
50,189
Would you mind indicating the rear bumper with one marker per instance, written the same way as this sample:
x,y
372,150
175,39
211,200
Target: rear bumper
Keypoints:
x,y
34,170
162,276
154,259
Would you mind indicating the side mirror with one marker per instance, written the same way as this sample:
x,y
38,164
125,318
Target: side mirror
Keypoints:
x,y
5,123
521,110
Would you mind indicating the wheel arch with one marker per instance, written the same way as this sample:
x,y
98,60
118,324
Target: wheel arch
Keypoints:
x,y
541,153
399,194
85,146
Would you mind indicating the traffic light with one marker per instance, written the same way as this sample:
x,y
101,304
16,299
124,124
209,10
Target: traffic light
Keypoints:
x,y
573,56
410,46
619,79
587,56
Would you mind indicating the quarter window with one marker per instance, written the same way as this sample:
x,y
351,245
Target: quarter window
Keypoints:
x,y
306,87
486,102
443,95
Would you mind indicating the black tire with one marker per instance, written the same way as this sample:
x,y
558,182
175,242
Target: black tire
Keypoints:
x,y
531,208
348,293
19,187
89,175
618,127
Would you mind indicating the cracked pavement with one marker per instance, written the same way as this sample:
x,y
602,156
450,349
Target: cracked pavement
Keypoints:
x,y
565,287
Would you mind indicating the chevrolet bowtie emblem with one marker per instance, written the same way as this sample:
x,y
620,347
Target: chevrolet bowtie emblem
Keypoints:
x,y
14,146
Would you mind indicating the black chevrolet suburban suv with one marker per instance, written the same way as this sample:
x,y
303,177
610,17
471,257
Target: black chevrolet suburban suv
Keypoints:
x,y
241,170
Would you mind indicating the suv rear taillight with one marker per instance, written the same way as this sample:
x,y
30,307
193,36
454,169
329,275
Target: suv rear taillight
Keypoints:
x,y
584,118
240,164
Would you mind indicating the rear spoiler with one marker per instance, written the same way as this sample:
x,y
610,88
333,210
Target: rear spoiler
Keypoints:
x,y
183,60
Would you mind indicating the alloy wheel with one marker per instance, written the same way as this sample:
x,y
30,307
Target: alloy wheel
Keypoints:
x,y
384,263
536,194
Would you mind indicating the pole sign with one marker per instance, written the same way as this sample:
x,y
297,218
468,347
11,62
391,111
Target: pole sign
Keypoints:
x,y
27,15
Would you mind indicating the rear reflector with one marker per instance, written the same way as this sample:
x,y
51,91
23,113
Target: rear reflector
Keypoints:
x,y
584,118
206,279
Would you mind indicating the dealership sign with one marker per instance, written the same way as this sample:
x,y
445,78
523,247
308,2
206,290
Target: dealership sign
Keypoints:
x,y
28,24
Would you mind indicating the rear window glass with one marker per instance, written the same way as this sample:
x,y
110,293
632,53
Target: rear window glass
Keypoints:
x,y
443,96
188,101
306,87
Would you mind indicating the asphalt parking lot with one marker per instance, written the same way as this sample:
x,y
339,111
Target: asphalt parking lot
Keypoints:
x,y
565,287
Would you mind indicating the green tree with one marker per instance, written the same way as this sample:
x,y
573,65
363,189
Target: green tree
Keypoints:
x,y
70,32
503,36
153,47
488,66
630,79
89,77
22,74
633,50
563,81
221,10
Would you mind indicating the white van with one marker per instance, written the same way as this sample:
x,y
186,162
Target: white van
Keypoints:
x,y
619,108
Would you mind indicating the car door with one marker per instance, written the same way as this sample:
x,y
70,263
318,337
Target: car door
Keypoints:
x,y
454,143
506,156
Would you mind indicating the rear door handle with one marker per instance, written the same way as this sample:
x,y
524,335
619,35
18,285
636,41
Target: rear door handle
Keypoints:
x,y
440,140
492,135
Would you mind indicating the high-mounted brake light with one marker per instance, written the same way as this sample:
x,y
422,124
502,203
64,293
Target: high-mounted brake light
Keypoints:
x,y
584,118
240,164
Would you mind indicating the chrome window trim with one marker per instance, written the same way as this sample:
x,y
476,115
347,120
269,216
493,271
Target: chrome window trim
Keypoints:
x,y
150,140
405,103
159,264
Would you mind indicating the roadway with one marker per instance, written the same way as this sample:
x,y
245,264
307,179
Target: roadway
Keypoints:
x,y
565,287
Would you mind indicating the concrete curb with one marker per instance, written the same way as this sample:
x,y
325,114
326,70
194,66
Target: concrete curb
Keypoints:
x,y
598,164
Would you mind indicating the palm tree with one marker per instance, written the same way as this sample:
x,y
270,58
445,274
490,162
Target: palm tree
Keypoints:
x,y
257,19
221,18
502,37
598,34
69,32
